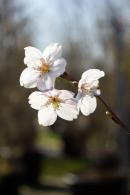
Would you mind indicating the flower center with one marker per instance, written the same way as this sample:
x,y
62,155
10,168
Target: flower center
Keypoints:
x,y
45,67
55,101
86,88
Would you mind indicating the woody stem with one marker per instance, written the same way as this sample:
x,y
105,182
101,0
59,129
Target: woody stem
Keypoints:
x,y
110,113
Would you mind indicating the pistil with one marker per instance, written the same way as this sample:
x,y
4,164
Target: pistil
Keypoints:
x,y
45,67
55,101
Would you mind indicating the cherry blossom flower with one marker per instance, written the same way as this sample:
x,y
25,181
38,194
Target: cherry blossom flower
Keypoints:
x,y
42,68
88,88
53,103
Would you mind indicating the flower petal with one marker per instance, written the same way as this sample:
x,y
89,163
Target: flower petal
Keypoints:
x,y
52,52
58,67
65,94
54,92
62,94
32,56
68,110
46,82
87,105
32,52
47,116
37,100
29,77
81,81
92,75
79,97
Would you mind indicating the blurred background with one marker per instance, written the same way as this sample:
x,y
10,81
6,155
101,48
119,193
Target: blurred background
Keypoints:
x,y
90,155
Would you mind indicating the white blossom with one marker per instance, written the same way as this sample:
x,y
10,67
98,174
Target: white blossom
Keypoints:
x,y
42,68
88,88
53,103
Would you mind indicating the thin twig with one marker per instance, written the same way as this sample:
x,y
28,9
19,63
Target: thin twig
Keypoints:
x,y
112,115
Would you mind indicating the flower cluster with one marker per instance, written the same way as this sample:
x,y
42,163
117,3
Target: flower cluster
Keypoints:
x,y
42,71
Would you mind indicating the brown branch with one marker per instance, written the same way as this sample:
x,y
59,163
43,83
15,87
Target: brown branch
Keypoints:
x,y
112,115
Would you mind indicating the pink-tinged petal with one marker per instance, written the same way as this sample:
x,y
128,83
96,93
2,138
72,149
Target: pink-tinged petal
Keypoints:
x,y
37,100
92,75
87,105
47,93
65,94
54,92
46,82
32,57
68,110
47,116
32,62
58,67
95,84
81,81
52,52
29,77
32,52
62,94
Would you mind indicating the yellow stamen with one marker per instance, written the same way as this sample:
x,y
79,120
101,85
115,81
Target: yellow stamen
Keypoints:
x,y
45,67
55,101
